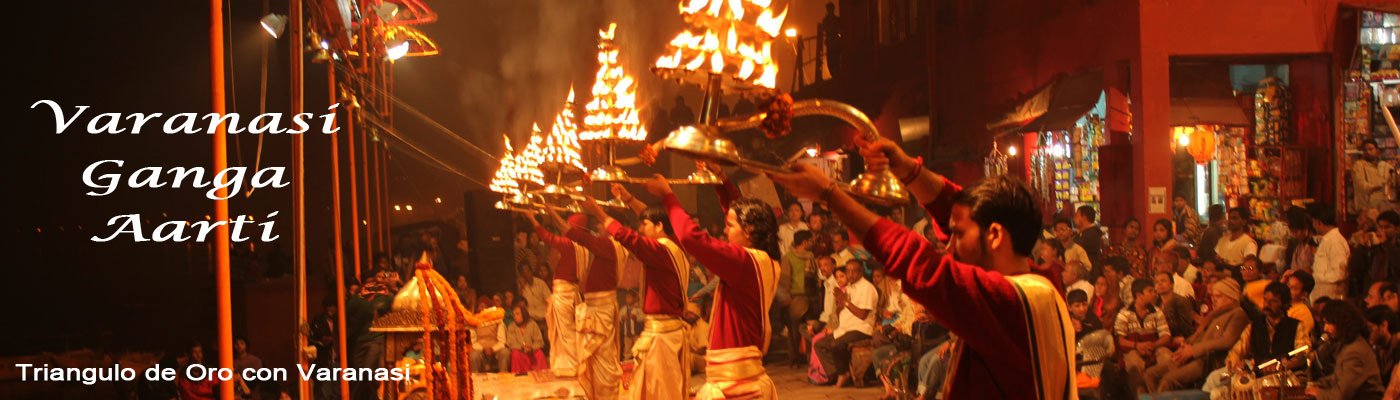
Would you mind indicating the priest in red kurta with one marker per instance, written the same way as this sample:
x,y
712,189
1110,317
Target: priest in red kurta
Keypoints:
x,y
663,361
563,300
599,370
748,276
1015,338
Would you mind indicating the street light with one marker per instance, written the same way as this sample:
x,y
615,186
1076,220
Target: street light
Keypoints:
x,y
437,200
274,24
397,208
790,32
408,207
1011,150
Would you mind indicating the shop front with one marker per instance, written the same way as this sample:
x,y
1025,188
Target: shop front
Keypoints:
x,y
1060,130
1369,98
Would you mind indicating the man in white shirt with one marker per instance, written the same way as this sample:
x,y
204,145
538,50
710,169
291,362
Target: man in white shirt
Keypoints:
x,y
1165,262
1236,244
489,345
1369,175
793,224
1184,266
1330,260
856,303
1064,232
1073,277
536,295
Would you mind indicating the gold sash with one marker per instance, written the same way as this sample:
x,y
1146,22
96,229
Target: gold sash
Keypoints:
x,y
1051,340
766,271
663,360
736,373
563,334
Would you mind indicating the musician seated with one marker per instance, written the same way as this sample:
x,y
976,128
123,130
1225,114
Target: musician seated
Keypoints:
x,y
1355,374
1270,335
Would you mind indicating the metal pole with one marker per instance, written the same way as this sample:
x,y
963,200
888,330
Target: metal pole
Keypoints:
x,y
709,110
373,183
339,258
369,212
223,292
295,41
354,195
384,200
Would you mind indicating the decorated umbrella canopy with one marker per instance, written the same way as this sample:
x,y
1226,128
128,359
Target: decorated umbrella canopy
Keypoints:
x,y
428,311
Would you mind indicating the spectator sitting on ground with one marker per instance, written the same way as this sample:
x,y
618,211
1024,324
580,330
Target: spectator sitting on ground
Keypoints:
x,y
1064,233
1074,278
1180,312
1084,323
1384,294
1142,333
525,342
1167,261
1356,374
1385,337
1235,244
1197,353
855,306
1300,285
1254,280
489,345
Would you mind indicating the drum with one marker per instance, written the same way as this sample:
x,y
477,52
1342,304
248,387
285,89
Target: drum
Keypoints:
x,y
1242,385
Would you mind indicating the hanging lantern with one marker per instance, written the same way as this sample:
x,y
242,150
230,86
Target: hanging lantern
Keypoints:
x,y
1201,144
995,163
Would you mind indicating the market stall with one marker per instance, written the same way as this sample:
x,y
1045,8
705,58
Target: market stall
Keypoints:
x,y
1064,122
1370,94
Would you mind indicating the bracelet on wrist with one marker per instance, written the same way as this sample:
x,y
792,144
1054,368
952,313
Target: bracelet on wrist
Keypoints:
x,y
913,173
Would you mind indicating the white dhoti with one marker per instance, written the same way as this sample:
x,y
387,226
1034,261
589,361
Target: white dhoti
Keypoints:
x,y
736,373
563,332
663,360
599,371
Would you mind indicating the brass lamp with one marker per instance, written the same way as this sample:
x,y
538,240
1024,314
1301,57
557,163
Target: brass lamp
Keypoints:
x,y
707,142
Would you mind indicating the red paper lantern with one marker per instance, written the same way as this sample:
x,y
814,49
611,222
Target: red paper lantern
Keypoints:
x,y
1200,143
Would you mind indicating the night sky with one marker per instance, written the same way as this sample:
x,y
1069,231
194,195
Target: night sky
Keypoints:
x,y
504,65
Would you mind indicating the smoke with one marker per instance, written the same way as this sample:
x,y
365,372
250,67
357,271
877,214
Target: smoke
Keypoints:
x,y
514,61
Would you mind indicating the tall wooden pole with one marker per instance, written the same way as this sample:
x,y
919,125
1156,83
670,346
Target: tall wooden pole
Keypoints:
x,y
339,257
222,293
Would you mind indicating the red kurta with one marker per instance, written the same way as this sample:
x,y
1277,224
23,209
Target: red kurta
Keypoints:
x,y
602,271
738,321
664,294
566,269
981,306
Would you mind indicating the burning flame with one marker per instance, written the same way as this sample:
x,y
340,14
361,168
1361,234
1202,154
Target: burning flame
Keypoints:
x,y
527,164
561,147
743,50
612,114
505,181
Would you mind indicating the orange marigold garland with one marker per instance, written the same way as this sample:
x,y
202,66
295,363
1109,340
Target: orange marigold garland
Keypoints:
x,y
777,119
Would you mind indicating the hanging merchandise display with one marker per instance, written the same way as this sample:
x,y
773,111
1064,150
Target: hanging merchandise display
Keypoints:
x,y
1272,106
1066,167
1233,165
1370,91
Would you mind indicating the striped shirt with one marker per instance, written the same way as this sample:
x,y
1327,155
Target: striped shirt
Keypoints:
x,y
1128,325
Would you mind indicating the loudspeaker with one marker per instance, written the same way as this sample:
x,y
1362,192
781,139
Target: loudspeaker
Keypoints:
x,y
490,236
